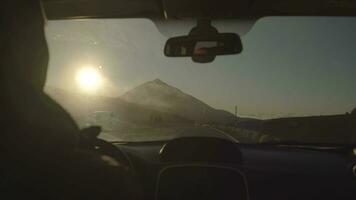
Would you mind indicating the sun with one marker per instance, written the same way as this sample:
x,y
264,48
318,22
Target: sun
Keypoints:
x,y
88,79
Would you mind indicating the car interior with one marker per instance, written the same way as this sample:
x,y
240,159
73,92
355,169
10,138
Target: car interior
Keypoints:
x,y
212,165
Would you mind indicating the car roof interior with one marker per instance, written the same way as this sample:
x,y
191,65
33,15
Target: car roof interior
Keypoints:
x,y
188,9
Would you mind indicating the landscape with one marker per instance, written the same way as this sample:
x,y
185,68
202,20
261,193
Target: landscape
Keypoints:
x,y
157,111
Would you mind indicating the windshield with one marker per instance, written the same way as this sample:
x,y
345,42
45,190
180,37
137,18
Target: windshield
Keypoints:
x,y
294,81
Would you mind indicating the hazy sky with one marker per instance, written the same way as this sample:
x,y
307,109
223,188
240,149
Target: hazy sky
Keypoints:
x,y
289,66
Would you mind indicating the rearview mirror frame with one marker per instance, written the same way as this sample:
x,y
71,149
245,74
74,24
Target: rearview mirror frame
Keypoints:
x,y
219,38
203,44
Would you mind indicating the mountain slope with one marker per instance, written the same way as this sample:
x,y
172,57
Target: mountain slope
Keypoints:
x,y
80,106
162,97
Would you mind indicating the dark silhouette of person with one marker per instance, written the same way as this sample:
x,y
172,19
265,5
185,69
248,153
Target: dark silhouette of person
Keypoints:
x,y
41,155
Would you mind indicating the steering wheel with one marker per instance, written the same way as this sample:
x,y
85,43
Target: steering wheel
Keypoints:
x,y
116,160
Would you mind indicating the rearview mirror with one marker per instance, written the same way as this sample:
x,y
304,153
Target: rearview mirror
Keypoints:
x,y
203,48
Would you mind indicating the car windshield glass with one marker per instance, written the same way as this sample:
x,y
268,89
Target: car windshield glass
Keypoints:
x,y
294,81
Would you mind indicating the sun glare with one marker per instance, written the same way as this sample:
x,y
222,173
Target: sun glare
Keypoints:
x,y
88,78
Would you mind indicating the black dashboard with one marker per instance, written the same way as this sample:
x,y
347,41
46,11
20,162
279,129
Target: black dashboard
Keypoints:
x,y
206,168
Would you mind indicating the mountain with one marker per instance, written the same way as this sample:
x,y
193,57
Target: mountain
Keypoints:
x,y
80,106
160,96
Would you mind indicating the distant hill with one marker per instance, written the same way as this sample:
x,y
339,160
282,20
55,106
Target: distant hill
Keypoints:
x,y
353,112
313,129
160,96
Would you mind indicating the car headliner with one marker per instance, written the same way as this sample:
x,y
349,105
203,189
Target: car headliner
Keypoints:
x,y
192,9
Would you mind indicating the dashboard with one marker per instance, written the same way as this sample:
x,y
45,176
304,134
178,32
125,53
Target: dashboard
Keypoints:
x,y
212,168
